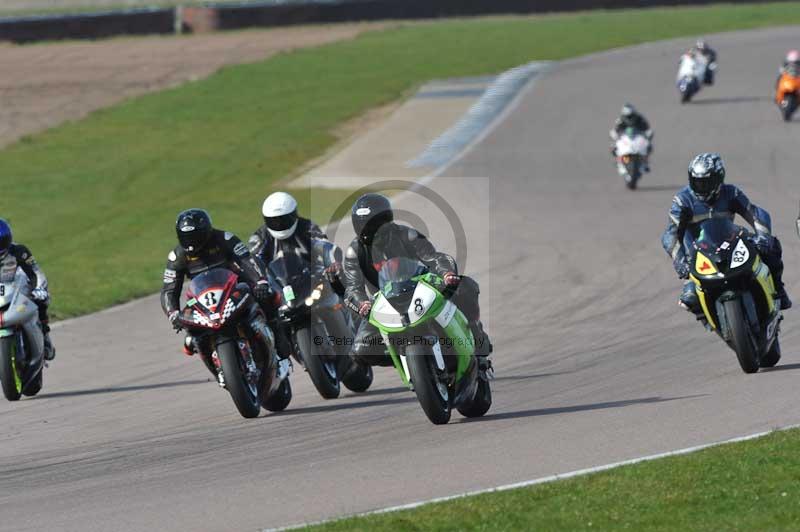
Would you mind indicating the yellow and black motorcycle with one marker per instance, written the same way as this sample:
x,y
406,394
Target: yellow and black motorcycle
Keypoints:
x,y
737,293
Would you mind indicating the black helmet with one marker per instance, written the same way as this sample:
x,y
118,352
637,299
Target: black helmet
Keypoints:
x,y
370,212
194,229
706,175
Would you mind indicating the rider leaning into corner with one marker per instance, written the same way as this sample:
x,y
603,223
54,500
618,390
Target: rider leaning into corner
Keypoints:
x,y
630,117
13,256
791,65
708,196
201,248
286,232
380,239
702,48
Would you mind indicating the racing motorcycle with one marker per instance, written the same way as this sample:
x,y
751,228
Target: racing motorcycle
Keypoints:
x,y
21,338
737,293
787,93
631,152
429,341
217,315
312,316
691,73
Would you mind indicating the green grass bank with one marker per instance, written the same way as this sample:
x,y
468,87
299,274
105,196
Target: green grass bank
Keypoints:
x,y
752,485
96,199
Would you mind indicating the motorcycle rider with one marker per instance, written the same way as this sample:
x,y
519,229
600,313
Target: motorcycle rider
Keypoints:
x,y
630,117
707,196
703,49
13,255
791,65
202,247
285,231
380,239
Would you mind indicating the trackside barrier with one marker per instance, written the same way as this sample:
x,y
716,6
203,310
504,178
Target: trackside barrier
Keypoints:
x,y
198,17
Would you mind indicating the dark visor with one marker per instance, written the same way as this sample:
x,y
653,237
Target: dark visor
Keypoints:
x,y
281,223
703,185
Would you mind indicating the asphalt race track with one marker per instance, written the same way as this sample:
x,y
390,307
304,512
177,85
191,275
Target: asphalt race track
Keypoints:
x,y
595,361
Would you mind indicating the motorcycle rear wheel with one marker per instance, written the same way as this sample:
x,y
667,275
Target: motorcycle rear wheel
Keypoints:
x,y
427,386
772,356
481,403
740,338
325,381
279,400
246,400
10,380
35,386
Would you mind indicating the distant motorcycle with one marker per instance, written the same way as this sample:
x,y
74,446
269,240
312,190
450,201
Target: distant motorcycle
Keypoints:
x,y
691,73
216,312
21,339
737,293
787,95
314,318
631,153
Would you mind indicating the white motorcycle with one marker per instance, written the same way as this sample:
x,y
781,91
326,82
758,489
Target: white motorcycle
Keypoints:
x,y
691,75
631,149
21,338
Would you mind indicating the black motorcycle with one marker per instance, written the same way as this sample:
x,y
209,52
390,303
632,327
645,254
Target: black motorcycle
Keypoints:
x,y
312,317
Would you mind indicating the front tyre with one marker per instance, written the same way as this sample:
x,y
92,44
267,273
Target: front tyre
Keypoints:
x,y
243,393
788,107
740,337
10,379
433,394
322,371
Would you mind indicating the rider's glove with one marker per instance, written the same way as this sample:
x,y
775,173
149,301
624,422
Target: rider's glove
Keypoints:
x,y
681,268
451,279
174,321
333,271
39,294
262,291
364,308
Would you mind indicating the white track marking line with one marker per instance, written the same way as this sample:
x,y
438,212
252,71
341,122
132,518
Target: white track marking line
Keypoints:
x,y
541,480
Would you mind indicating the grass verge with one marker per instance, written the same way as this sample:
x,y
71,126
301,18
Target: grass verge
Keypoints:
x,y
752,485
96,199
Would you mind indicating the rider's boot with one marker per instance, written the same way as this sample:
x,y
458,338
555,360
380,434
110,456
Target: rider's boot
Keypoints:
x,y
689,301
49,350
483,346
785,302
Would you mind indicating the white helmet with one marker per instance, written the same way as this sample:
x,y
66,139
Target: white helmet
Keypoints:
x,y
280,215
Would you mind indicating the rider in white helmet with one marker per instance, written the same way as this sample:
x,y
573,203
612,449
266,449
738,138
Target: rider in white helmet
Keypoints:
x,y
285,231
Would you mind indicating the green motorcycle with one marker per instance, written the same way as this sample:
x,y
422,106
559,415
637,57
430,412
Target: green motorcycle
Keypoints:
x,y
429,341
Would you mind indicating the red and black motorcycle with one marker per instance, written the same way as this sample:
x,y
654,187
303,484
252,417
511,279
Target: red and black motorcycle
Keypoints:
x,y
218,315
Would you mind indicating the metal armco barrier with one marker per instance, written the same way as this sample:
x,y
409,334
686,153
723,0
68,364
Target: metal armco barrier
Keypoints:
x,y
212,17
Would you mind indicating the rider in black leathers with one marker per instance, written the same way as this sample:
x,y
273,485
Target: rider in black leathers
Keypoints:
x,y
202,248
285,232
14,255
380,239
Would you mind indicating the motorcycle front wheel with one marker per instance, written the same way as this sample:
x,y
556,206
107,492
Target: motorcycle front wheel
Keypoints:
x,y
433,394
10,379
740,338
244,394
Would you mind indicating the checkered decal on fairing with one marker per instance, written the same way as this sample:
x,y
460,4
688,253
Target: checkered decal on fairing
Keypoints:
x,y
229,306
200,319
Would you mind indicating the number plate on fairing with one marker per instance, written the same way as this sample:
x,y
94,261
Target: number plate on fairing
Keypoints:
x,y
740,254
210,298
